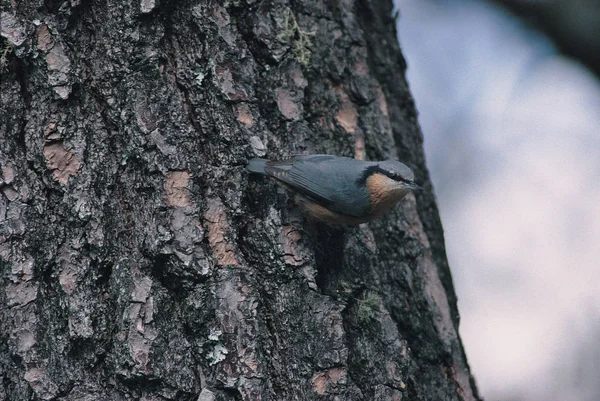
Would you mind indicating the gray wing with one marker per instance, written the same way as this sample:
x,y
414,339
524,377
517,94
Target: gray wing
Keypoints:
x,y
329,180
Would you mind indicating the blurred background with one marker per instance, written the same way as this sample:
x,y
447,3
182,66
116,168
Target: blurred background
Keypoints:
x,y
509,99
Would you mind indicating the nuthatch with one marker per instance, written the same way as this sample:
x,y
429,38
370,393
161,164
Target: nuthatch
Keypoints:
x,y
340,190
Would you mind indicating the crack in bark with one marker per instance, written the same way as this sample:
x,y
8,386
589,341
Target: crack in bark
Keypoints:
x,y
170,47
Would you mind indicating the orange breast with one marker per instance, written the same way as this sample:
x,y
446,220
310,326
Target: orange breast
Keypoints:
x,y
383,195
322,213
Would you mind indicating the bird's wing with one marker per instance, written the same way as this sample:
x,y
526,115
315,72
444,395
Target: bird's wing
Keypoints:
x,y
306,174
327,180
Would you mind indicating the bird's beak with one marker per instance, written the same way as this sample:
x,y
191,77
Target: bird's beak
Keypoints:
x,y
414,187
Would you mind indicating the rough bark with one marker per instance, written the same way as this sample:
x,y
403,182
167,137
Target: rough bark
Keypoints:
x,y
138,258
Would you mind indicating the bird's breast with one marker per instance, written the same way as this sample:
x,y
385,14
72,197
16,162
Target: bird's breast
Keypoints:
x,y
321,213
382,193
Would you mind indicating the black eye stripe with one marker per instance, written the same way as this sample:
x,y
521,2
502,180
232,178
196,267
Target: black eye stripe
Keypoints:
x,y
397,177
376,169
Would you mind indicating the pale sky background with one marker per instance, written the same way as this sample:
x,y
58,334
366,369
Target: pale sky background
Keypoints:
x,y
512,139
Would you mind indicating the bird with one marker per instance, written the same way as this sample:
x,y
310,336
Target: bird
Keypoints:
x,y
340,190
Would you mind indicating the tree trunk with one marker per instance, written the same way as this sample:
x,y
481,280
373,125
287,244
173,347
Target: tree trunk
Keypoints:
x,y
139,260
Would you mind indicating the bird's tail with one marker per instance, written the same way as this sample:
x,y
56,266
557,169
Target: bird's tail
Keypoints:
x,y
257,166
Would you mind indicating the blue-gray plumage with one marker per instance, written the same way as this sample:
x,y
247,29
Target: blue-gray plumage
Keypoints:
x,y
338,189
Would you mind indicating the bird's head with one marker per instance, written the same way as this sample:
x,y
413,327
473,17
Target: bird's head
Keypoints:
x,y
398,176
387,182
